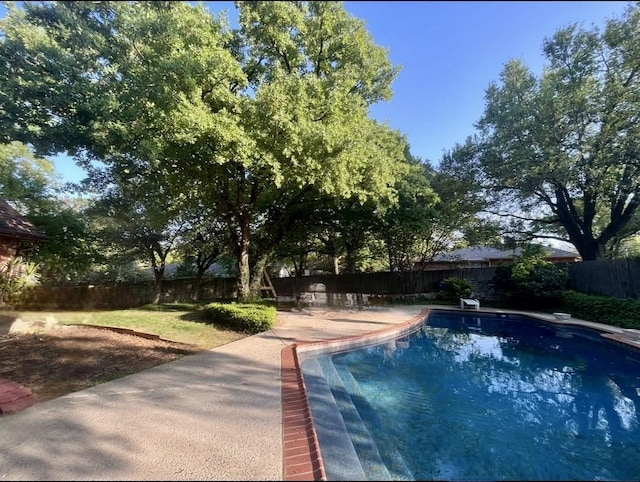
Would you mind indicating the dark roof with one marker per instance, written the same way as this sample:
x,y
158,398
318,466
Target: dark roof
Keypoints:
x,y
14,225
483,253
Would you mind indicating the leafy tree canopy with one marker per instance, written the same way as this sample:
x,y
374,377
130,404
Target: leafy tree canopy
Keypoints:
x,y
26,180
559,153
273,111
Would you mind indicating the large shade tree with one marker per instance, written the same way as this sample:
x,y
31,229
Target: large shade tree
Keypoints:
x,y
312,71
271,113
137,217
560,153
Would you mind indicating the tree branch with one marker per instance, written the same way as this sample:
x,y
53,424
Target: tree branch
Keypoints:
x,y
523,218
319,57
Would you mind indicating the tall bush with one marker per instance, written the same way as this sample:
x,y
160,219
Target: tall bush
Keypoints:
x,y
531,282
455,288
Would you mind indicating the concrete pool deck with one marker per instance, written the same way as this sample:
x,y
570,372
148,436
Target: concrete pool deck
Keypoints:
x,y
216,415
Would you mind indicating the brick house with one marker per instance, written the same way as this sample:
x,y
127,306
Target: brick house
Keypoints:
x,y
487,257
17,234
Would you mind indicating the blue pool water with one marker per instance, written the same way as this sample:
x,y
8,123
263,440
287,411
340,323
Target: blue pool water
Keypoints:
x,y
479,396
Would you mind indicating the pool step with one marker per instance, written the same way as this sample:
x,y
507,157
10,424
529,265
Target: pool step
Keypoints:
x,y
363,443
340,459
394,463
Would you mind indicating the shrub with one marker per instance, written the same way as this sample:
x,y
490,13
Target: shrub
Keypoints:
x,y
15,276
624,313
538,277
455,288
531,282
245,317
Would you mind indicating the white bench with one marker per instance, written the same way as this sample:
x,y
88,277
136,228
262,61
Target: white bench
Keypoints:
x,y
469,303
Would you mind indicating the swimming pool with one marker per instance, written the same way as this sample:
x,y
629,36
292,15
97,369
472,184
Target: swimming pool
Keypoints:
x,y
479,395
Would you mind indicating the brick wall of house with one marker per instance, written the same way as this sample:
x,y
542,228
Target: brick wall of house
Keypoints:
x,y
7,249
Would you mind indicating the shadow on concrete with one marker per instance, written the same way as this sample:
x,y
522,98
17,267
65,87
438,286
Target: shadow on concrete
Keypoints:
x,y
184,420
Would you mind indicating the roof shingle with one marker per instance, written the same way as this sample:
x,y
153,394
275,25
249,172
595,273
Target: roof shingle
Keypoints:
x,y
14,225
482,253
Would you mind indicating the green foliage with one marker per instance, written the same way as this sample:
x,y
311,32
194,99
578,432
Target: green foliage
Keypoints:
x,y
629,248
461,197
31,185
624,313
185,269
407,225
255,121
550,153
16,275
116,269
72,249
244,317
28,181
455,288
531,281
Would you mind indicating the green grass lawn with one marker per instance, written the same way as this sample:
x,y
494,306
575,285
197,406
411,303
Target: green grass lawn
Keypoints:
x,y
182,322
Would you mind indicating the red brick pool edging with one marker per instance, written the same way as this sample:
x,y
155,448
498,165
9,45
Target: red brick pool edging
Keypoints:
x,y
301,451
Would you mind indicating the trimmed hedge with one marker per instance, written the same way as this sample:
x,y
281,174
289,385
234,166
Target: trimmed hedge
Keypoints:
x,y
624,313
245,317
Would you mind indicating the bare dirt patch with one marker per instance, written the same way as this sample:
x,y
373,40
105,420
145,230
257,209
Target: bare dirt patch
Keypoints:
x,y
71,358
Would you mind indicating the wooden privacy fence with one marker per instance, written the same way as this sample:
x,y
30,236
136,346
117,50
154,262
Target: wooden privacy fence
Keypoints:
x,y
386,283
107,296
619,278
122,295
129,295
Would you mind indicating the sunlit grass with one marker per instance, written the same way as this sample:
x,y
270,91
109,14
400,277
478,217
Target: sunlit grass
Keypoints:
x,y
182,322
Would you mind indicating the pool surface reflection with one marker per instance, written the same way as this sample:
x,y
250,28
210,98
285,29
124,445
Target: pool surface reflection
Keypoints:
x,y
479,395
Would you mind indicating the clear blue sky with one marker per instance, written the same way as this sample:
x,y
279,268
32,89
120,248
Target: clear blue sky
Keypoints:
x,y
449,52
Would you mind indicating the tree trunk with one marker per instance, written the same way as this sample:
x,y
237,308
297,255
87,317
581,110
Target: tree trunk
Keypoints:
x,y
244,287
350,261
590,249
351,247
158,269
581,232
389,254
336,264
158,274
195,289
241,239
203,263
256,277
